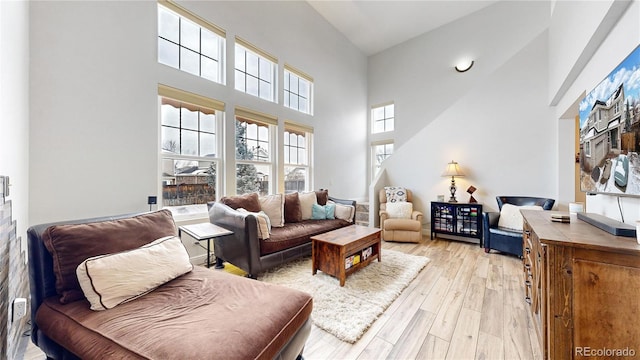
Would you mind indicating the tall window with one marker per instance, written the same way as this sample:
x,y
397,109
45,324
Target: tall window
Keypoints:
x,y
254,149
382,118
189,43
298,90
189,147
380,153
297,157
255,71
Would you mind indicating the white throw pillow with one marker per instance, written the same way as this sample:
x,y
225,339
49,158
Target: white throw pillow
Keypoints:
x,y
112,279
264,223
511,218
344,212
399,210
273,206
307,199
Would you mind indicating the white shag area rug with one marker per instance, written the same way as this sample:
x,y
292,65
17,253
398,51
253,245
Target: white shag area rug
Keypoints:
x,y
347,312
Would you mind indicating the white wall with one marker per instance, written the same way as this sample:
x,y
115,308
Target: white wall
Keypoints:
x,y
14,106
419,74
613,36
94,125
94,75
494,120
574,27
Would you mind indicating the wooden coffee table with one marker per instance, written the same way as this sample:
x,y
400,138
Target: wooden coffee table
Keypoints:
x,y
332,250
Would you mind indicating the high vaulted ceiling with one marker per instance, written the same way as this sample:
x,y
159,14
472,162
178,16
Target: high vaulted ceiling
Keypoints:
x,y
374,26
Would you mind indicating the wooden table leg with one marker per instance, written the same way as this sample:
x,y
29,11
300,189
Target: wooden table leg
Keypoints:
x,y
314,257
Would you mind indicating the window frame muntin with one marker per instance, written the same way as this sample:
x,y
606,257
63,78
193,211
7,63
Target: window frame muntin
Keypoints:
x,y
272,125
372,148
188,98
287,92
261,54
290,126
384,119
183,13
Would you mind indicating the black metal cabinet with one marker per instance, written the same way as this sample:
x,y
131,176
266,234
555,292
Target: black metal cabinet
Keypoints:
x,y
457,219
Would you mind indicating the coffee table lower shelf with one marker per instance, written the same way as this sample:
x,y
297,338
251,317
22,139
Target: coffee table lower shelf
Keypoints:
x,y
331,250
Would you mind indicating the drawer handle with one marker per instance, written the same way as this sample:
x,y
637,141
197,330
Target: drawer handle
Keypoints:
x,y
527,266
527,232
528,283
528,300
527,250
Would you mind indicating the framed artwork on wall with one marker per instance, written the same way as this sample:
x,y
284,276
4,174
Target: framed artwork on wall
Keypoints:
x,y
610,132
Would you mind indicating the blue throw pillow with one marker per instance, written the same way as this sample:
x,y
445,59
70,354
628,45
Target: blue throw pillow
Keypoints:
x,y
318,212
330,211
321,212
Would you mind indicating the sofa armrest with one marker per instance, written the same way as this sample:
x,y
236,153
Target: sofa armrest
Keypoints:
x,y
242,249
417,215
346,202
491,218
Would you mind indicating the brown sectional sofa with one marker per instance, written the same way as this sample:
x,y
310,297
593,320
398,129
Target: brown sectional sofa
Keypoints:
x,y
245,250
202,314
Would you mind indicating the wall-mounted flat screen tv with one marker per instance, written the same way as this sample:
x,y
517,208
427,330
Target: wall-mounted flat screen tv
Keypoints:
x,y
610,132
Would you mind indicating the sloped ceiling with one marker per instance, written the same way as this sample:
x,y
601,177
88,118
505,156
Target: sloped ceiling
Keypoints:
x,y
374,26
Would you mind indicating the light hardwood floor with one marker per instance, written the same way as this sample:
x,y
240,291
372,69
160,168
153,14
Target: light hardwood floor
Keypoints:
x,y
465,304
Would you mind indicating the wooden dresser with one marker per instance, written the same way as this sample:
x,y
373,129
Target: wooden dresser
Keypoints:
x,y
583,287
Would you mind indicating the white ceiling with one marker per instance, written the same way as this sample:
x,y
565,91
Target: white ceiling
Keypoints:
x,y
374,26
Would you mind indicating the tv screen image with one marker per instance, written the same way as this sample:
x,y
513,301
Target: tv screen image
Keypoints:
x,y
610,132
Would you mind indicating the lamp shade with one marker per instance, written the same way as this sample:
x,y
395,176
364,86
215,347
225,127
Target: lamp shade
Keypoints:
x,y
452,170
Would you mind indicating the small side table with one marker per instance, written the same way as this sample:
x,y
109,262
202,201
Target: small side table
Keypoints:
x,y
204,231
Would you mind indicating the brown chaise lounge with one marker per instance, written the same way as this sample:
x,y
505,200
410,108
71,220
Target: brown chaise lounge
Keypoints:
x,y
203,314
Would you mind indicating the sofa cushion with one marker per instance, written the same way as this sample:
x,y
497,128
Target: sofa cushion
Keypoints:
x,y
402,224
399,210
273,206
307,199
511,218
264,223
251,202
344,212
506,232
292,212
294,234
319,212
70,245
205,314
322,196
112,279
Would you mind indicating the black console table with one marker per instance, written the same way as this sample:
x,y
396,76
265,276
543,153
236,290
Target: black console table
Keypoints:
x,y
457,219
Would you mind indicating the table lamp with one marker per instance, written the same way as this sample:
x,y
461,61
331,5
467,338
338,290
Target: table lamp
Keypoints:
x,y
453,170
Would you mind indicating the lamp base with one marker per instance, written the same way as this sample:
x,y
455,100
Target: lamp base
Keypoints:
x,y
452,189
